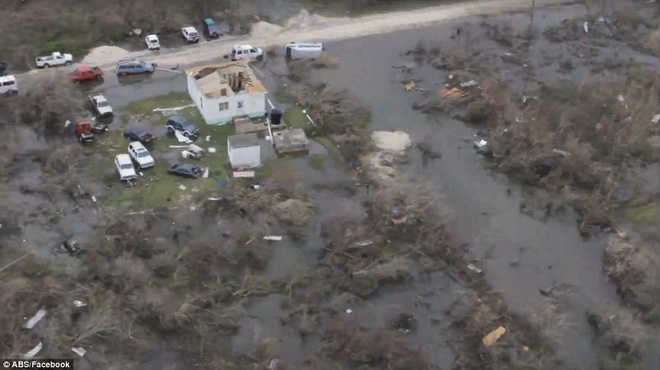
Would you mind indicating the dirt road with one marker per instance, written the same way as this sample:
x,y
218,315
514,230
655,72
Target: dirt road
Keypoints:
x,y
331,29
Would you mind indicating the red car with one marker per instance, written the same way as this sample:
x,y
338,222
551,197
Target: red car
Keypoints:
x,y
86,73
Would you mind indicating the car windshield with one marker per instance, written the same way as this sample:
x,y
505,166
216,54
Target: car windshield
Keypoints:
x,y
193,34
103,104
143,154
153,41
126,166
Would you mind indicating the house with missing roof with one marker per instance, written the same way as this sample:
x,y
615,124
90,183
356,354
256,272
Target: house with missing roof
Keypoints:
x,y
226,90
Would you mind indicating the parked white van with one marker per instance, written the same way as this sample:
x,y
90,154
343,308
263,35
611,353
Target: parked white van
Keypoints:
x,y
125,167
8,85
246,51
303,50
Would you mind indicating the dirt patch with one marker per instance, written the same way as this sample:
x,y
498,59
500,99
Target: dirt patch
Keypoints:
x,y
394,141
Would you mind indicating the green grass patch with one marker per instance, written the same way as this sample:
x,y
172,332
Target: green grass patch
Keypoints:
x,y
646,215
317,162
333,151
281,96
295,118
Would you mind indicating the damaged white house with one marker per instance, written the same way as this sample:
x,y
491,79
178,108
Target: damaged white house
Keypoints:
x,y
226,90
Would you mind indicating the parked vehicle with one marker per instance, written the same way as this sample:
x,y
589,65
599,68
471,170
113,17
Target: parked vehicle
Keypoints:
x,y
194,151
100,105
152,42
303,50
183,125
85,73
125,167
185,170
8,85
53,60
246,51
210,28
139,134
190,34
83,131
140,155
129,67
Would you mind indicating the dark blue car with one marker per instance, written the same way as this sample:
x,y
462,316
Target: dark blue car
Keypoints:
x,y
139,134
185,170
211,29
183,125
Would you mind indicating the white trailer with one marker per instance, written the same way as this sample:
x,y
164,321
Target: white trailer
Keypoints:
x,y
303,50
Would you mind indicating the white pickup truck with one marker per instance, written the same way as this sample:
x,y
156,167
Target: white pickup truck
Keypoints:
x,y
55,59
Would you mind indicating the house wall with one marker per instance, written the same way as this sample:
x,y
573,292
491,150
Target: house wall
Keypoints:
x,y
248,157
254,105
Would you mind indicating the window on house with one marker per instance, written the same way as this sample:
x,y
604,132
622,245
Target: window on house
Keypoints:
x,y
224,106
240,104
223,92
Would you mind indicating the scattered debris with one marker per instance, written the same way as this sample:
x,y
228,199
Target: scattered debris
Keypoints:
x,y
178,146
79,304
181,138
208,137
409,86
79,351
493,336
474,268
182,187
244,174
71,246
212,150
586,27
525,349
94,198
656,118
561,152
273,237
469,84
480,145
33,352
272,365
205,175
35,319
364,243
453,92
173,108
349,311
391,141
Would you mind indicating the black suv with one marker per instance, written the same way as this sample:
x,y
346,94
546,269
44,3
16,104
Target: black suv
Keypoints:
x,y
183,125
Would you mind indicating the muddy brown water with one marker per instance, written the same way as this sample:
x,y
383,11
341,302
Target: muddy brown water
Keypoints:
x,y
547,253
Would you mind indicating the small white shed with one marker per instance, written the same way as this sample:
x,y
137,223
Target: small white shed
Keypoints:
x,y
244,151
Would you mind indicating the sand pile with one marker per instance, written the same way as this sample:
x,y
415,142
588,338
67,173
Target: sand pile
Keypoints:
x,y
104,54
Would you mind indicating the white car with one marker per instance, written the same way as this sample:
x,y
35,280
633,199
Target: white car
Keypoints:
x,y
246,51
101,105
125,167
152,42
8,85
190,34
140,155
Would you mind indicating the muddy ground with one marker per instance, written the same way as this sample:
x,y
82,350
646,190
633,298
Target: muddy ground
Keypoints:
x,y
367,278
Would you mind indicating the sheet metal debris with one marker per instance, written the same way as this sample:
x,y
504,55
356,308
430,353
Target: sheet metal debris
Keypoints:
x,y
492,337
181,138
79,304
182,187
212,150
35,319
206,173
33,352
656,118
173,108
244,174
474,268
586,27
273,237
469,83
79,351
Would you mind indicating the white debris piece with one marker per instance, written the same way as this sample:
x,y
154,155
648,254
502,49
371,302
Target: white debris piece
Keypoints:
x,y
173,108
212,150
349,311
656,118
601,19
186,154
586,27
273,237
79,304
35,319
79,351
474,268
208,138
206,173
244,174
182,187
94,198
561,152
469,83
178,146
481,144
33,352
67,123
182,138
